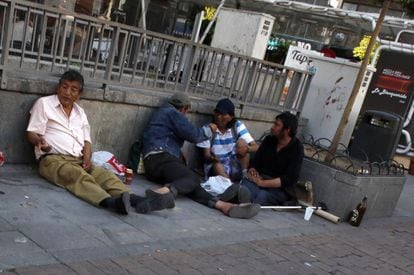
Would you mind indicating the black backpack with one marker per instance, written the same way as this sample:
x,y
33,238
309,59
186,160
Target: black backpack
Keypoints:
x,y
134,155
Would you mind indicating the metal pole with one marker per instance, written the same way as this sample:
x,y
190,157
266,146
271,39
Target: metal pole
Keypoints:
x,y
143,15
197,26
210,24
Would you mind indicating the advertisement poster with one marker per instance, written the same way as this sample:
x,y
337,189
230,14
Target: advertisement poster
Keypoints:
x,y
391,88
298,58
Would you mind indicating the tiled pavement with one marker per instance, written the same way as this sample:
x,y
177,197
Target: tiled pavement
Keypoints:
x,y
45,230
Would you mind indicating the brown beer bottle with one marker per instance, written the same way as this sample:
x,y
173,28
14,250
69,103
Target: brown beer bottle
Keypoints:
x,y
357,214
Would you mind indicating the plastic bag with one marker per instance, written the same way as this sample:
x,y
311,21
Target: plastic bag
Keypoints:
x,y
1,158
108,161
216,185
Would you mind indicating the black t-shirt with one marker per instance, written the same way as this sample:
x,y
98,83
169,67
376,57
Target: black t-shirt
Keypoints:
x,y
285,164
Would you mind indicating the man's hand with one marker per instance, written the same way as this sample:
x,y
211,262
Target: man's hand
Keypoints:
x,y
43,145
213,127
87,154
252,172
87,165
254,176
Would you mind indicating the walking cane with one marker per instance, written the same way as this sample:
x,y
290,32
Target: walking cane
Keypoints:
x,y
319,210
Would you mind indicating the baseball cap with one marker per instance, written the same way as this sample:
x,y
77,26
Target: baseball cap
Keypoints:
x,y
179,100
225,106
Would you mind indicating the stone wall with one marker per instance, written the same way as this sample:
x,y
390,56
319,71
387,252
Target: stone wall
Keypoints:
x,y
117,116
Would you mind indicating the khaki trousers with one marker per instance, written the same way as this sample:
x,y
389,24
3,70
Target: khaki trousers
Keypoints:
x,y
93,186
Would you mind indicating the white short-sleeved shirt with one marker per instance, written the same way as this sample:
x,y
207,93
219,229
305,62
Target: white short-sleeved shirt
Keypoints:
x,y
66,135
224,143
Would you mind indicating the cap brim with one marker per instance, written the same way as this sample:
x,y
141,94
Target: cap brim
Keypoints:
x,y
221,111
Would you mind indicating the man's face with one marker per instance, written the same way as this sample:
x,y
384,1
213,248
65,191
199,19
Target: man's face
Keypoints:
x,y
68,92
277,129
222,119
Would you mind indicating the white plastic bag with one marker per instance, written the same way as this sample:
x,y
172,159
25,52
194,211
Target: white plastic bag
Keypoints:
x,y
216,185
108,161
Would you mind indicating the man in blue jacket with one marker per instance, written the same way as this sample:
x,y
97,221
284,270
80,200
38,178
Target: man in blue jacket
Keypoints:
x,y
162,142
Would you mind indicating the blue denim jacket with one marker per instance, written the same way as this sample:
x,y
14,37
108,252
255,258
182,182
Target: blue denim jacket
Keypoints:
x,y
168,129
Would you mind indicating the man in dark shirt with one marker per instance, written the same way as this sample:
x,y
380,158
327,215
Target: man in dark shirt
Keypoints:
x,y
277,163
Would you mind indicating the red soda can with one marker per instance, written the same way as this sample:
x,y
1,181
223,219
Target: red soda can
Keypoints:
x,y
1,158
128,176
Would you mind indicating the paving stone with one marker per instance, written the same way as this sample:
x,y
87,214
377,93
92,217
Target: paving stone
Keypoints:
x,y
45,270
190,271
108,266
157,266
190,239
84,267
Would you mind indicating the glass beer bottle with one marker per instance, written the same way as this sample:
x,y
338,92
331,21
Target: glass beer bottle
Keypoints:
x,y
357,214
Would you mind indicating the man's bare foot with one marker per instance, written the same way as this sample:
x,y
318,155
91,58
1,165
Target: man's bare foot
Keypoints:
x,y
162,190
224,206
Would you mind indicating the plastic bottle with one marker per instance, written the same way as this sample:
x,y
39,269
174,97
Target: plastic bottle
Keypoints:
x,y
1,158
357,214
141,168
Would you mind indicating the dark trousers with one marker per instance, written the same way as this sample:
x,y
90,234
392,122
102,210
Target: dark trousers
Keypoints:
x,y
168,170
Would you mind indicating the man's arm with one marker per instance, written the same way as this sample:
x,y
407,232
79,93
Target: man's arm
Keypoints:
x,y
253,146
209,156
254,176
291,175
184,129
270,183
38,141
87,153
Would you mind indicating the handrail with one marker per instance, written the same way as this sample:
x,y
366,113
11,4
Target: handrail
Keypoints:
x,y
114,54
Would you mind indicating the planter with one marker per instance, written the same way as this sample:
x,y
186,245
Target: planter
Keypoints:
x,y
342,191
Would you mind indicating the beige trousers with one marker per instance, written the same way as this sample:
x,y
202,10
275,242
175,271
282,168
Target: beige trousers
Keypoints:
x,y
92,186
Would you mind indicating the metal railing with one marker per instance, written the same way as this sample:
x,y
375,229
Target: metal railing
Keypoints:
x,y
45,40
341,159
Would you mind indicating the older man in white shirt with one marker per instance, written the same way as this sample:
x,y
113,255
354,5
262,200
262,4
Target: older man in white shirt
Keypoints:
x,y
60,131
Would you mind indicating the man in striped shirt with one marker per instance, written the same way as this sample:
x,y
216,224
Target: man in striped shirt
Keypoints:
x,y
227,152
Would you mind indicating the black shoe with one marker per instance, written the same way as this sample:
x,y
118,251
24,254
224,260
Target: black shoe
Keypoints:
x,y
167,197
244,195
122,204
155,202
230,193
236,193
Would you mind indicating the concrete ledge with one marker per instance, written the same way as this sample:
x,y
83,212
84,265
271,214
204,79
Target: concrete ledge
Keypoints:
x,y
342,191
117,115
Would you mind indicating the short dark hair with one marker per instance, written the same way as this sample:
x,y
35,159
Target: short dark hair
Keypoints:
x,y
73,75
289,121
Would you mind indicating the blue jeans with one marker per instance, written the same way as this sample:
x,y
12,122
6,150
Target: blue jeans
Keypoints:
x,y
265,196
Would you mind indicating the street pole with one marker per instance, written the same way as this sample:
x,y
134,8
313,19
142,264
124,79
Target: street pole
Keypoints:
x,y
143,15
357,84
210,24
